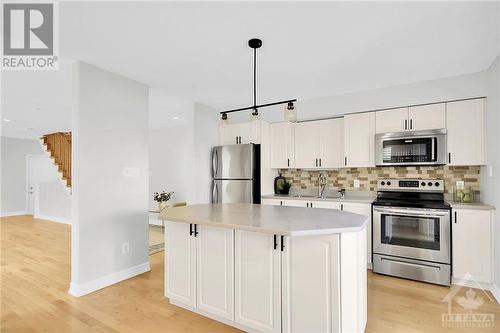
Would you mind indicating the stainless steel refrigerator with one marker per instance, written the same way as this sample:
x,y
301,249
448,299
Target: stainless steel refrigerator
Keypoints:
x,y
236,174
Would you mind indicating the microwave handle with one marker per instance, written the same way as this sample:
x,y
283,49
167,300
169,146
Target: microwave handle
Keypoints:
x,y
433,149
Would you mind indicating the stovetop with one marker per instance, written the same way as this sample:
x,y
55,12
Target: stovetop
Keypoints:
x,y
412,203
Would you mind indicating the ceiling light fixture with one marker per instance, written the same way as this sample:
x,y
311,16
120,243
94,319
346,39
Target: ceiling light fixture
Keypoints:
x,y
175,118
6,120
255,43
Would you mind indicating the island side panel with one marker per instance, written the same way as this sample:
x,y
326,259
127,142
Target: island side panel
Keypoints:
x,y
311,283
353,277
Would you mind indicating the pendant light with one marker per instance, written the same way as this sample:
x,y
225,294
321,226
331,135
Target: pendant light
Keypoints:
x,y
256,43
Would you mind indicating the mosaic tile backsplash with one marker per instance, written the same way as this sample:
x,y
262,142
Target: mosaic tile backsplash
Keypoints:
x,y
344,178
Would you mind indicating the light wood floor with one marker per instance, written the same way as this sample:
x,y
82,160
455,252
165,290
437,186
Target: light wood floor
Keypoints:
x,y
35,275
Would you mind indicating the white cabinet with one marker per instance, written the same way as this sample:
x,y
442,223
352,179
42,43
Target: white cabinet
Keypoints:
x,y
180,264
240,133
282,141
319,144
426,117
331,143
257,281
199,267
394,120
465,125
272,202
325,204
306,145
306,305
472,232
296,203
215,271
413,118
362,209
359,137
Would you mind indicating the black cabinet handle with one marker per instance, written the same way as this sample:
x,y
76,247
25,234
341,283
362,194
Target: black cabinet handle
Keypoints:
x,y
307,204
311,205
282,243
406,124
449,158
275,242
288,161
190,229
281,202
320,162
411,123
455,216
240,140
345,160
341,206
316,162
195,230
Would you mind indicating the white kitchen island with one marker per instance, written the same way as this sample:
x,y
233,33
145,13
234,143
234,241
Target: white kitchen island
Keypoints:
x,y
268,268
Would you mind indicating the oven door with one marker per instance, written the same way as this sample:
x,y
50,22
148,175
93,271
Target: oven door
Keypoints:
x,y
422,234
411,148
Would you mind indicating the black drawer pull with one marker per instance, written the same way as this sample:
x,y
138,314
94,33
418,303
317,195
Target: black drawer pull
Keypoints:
x,y
275,242
282,243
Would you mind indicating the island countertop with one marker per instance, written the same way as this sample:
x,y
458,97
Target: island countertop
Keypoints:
x,y
287,221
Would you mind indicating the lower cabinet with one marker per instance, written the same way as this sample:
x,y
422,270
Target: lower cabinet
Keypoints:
x,y
258,281
362,209
472,245
200,266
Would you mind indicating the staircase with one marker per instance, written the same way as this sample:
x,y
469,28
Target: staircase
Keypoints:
x,y
58,145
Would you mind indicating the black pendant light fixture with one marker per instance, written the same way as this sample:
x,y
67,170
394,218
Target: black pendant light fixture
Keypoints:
x,y
256,43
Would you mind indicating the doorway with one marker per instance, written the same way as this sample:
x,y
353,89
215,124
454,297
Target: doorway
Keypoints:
x,y
39,168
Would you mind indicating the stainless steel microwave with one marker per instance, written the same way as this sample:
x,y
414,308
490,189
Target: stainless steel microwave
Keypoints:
x,y
411,148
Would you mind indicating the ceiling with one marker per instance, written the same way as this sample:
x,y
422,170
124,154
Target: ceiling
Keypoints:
x,y
198,51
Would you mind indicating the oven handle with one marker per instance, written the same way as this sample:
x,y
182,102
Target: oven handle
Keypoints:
x,y
410,264
412,212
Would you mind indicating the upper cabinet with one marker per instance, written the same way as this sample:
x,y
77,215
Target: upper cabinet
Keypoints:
x,y
359,137
465,125
413,118
394,120
319,144
282,141
240,133
426,117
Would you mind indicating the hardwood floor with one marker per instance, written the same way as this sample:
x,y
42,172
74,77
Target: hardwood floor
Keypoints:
x,y
35,276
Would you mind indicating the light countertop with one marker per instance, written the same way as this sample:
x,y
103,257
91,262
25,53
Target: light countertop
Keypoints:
x,y
350,197
472,205
288,221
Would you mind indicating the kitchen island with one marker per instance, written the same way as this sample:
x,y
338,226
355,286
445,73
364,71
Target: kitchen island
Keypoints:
x,y
268,268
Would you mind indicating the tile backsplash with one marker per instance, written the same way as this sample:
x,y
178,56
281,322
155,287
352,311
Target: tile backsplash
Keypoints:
x,y
344,178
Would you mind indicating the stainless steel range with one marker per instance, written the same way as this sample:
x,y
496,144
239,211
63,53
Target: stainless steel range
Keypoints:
x,y
411,230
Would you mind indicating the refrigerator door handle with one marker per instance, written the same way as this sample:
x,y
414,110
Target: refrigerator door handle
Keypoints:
x,y
216,193
213,192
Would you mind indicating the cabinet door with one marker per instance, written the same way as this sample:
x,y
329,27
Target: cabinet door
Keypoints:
x,y
311,284
363,209
331,143
295,203
472,245
215,271
229,133
306,145
272,202
282,145
426,117
465,125
180,263
326,204
257,281
249,132
395,120
359,139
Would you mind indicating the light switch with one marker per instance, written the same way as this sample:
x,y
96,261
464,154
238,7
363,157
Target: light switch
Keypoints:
x,y
356,183
460,184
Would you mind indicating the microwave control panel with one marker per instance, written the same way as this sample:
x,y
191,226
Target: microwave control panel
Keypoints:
x,y
410,185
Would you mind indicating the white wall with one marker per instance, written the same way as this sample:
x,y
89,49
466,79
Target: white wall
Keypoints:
x,y
490,185
53,202
110,179
13,173
180,148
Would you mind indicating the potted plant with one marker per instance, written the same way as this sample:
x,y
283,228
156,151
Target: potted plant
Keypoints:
x,y
162,199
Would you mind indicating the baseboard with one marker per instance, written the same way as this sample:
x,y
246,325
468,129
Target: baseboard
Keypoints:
x,y
6,214
53,219
155,222
78,290
495,291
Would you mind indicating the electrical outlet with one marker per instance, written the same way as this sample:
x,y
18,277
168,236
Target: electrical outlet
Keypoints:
x,y
125,248
460,184
356,183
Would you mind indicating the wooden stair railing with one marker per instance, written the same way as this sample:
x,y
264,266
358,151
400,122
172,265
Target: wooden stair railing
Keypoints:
x,y
59,146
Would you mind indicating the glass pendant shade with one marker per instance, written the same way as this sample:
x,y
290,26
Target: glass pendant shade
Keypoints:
x,y
291,113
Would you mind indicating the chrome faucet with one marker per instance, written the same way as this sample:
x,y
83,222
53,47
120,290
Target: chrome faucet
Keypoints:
x,y
321,185
342,193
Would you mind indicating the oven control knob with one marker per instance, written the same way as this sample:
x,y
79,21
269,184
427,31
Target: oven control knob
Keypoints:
x,y
388,183
382,183
429,183
422,183
436,183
